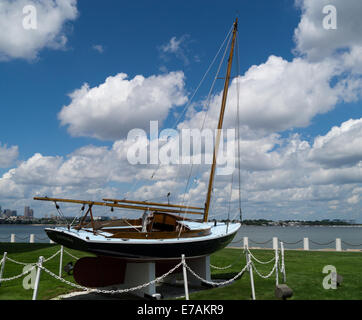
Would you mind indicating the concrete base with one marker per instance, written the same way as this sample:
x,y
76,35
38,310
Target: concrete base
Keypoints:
x,y
141,273
137,274
201,266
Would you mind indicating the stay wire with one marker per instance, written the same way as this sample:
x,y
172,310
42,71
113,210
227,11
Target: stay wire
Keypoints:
x,y
206,113
196,90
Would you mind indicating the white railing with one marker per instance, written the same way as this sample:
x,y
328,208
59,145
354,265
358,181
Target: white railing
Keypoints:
x,y
27,238
245,243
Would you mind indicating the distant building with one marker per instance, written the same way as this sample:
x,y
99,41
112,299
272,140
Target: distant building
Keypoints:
x,y
10,213
28,213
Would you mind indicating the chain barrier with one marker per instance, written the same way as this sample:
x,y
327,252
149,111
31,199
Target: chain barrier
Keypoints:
x,y
350,244
19,275
120,290
260,242
21,263
145,284
217,283
21,238
237,241
111,291
262,276
32,263
291,242
39,238
321,244
54,255
257,260
221,268
69,254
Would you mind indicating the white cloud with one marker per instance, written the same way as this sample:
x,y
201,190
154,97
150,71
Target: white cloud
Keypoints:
x,y
279,95
51,16
118,105
276,172
341,47
8,155
341,146
98,48
178,48
354,199
173,45
316,41
273,94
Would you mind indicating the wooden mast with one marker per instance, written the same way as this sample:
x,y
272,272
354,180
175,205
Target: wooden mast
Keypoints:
x,y
221,119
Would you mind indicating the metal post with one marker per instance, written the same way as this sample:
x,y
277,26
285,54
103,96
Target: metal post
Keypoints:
x,y
3,266
36,286
61,261
275,243
31,240
246,242
12,239
185,277
338,244
283,264
306,243
248,260
276,267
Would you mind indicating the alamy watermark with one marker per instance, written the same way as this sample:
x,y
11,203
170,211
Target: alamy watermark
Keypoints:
x,y
330,19
187,146
30,19
330,280
29,280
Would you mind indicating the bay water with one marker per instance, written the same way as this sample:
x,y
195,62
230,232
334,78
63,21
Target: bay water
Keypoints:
x,y
320,237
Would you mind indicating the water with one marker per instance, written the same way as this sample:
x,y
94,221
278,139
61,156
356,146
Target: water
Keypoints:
x,y
319,237
22,233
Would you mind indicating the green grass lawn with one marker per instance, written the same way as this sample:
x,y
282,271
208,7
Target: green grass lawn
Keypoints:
x,y
303,272
303,268
28,253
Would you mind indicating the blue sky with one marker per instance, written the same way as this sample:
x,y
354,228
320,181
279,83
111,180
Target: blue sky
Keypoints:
x,y
130,34
131,37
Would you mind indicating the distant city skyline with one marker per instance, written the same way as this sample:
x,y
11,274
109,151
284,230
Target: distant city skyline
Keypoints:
x,y
28,212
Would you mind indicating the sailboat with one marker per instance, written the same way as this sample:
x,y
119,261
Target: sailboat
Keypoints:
x,y
162,232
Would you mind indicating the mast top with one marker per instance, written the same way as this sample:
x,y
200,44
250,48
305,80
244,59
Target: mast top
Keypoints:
x,y
220,123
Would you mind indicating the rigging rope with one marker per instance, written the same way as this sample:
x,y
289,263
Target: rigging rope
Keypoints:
x,y
81,210
206,104
191,99
197,88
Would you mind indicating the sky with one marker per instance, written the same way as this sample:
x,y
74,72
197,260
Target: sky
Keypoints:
x,y
77,76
